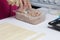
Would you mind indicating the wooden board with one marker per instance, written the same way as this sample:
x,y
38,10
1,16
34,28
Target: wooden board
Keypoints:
x,y
12,32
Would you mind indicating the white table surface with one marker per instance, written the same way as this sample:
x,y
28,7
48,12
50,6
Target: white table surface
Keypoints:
x,y
40,28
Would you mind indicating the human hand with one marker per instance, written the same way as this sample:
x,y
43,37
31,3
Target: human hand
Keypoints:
x,y
26,4
13,2
22,4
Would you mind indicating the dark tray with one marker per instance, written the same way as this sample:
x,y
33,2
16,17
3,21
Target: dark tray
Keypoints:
x,y
54,24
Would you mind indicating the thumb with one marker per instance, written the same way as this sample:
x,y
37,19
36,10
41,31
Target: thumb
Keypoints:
x,y
17,2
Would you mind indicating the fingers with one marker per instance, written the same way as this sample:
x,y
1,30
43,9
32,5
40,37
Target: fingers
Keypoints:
x,y
11,2
17,3
29,4
26,4
20,6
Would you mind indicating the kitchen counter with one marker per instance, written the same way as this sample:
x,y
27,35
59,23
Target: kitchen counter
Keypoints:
x,y
39,28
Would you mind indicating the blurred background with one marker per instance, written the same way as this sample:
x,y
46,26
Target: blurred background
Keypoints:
x,y
55,4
